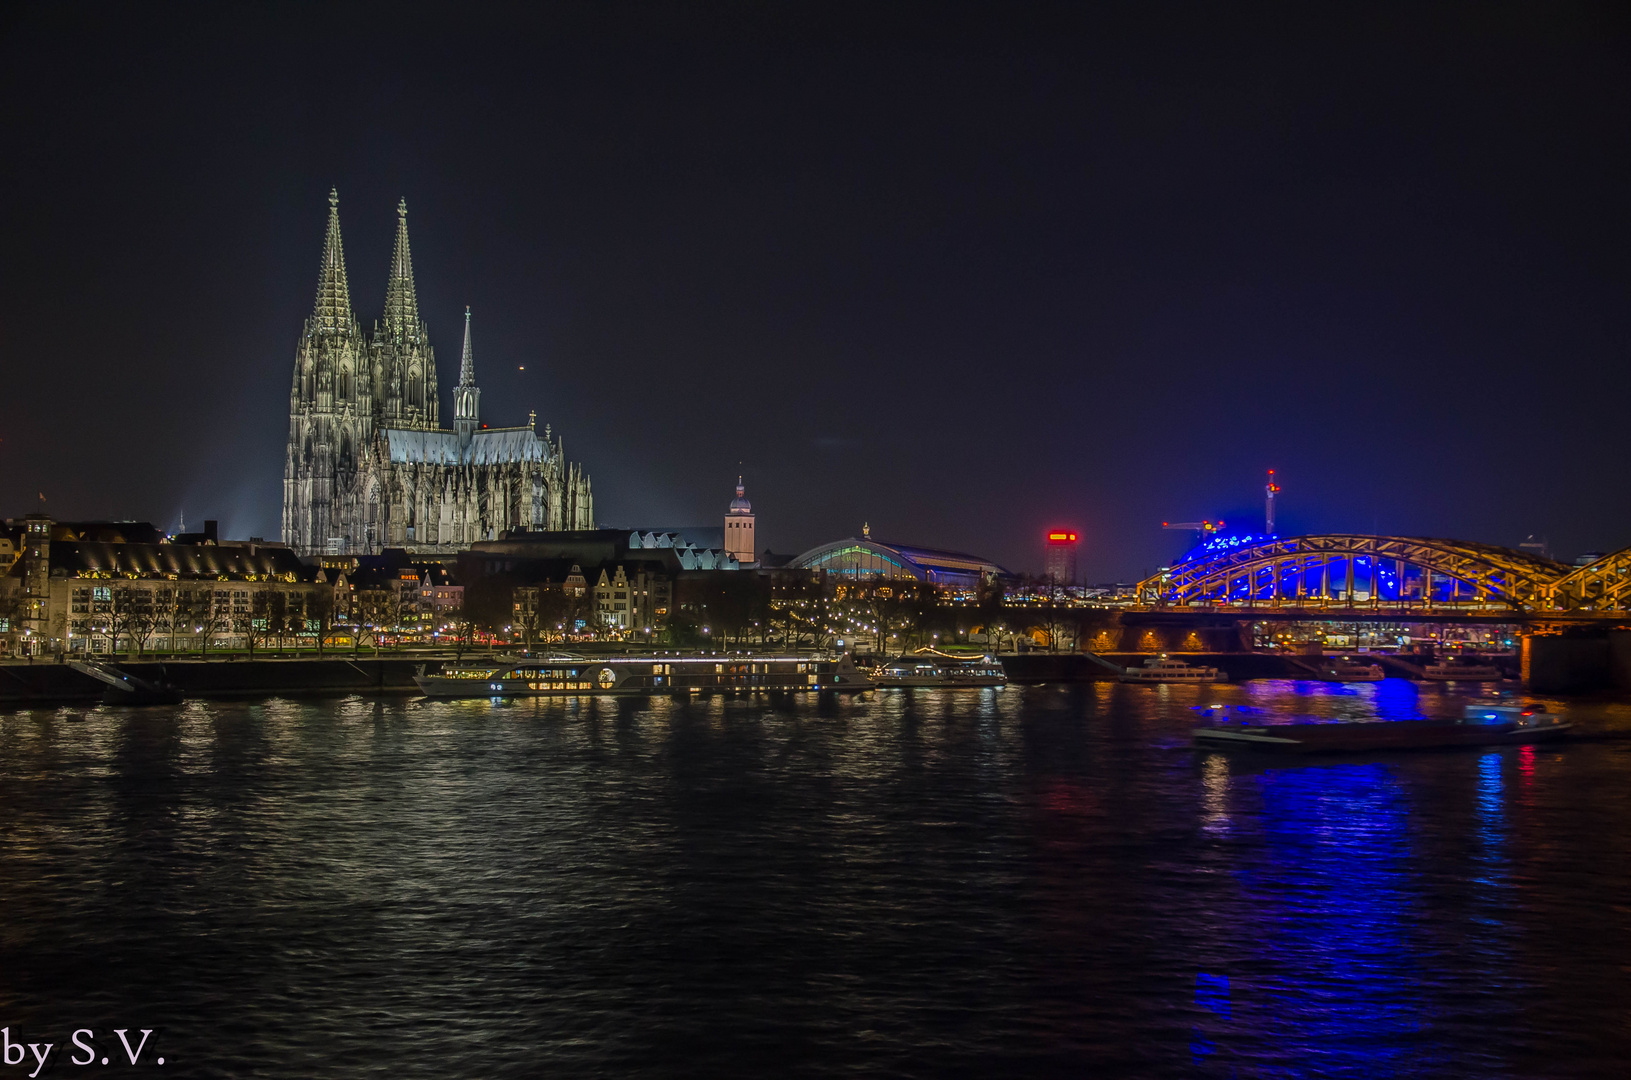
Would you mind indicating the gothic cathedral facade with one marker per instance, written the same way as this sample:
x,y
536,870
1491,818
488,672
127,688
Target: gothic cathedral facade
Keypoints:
x,y
369,465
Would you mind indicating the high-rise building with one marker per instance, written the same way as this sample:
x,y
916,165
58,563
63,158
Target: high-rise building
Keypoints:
x,y
370,466
739,527
1059,557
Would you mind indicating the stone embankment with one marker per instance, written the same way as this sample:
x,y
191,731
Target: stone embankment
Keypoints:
x,y
50,683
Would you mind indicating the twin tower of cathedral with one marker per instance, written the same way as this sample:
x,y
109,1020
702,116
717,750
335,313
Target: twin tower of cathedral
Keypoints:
x,y
369,465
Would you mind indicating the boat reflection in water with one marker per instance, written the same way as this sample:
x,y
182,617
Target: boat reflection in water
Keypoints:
x,y
566,675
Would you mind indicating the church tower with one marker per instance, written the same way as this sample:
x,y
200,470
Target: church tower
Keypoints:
x,y
466,396
404,366
739,528
330,402
369,465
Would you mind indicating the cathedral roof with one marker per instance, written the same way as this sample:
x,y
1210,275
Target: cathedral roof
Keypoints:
x,y
488,446
183,560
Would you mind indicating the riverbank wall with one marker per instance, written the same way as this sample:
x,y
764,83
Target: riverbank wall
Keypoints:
x,y
54,684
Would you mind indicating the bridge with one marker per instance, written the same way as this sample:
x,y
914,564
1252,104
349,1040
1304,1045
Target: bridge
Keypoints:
x,y
1336,575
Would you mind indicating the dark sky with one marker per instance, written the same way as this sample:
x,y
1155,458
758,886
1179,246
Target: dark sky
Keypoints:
x,y
961,273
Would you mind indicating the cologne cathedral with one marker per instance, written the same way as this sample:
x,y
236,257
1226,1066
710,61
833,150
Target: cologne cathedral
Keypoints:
x,y
369,464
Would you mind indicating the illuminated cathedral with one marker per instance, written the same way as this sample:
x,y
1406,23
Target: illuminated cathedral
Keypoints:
x,y
369,466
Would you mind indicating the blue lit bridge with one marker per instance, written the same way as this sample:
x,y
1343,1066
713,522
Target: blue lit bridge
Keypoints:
x,y
1326,576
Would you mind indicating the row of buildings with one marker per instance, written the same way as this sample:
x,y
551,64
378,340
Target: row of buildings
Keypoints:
x,y
394,525
99,587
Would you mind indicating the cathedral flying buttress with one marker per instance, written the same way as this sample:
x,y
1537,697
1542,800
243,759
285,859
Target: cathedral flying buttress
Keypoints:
x,y
369,465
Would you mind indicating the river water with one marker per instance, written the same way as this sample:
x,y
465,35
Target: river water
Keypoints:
x,y
1033,881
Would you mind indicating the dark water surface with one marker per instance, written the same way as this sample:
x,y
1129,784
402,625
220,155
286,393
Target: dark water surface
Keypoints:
x,y
1031,881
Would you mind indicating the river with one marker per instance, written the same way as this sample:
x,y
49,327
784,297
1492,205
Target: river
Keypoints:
x,y
1032,881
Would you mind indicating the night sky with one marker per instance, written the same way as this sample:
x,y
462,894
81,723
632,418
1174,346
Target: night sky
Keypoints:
x,y
962,274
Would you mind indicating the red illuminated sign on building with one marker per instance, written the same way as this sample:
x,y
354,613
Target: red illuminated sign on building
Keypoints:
x,y
1059,557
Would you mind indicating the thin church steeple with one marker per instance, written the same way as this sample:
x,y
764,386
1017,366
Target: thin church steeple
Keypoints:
x,y
466,396
467,361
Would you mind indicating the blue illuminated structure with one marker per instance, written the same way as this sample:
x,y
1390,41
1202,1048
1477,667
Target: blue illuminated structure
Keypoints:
x,y
1356,570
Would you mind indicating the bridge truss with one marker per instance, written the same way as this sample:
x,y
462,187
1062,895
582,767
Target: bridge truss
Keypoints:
x,y
1387,572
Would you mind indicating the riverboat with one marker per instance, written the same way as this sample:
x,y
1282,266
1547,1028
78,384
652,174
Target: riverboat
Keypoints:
x,y
932,668
1454,669
567,676
1163,669
1480,725
1347,671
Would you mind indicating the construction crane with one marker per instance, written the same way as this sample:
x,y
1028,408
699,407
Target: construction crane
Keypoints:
x,y
1204,528
1269,492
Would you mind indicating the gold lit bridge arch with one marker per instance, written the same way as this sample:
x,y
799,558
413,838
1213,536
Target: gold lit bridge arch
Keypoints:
x,y
1387,573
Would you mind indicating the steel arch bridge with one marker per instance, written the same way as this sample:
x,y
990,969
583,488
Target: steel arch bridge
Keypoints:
x,y
1604,585
1387,572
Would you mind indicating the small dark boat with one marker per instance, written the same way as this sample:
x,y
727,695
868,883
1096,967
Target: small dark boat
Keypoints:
x,y
126,689
1482,725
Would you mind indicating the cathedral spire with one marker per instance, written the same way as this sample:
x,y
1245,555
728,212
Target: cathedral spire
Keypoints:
x,y
466,397
401,301
332,314
467,362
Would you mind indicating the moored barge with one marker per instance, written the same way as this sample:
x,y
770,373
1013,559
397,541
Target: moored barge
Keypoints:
x,y
567,676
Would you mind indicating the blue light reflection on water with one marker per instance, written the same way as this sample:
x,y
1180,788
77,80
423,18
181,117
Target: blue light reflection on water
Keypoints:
x,y
1336,899
1031,881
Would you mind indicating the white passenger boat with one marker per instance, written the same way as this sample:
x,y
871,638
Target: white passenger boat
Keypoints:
x,y
1163,669
1454,669
566,676
932,668
1347,671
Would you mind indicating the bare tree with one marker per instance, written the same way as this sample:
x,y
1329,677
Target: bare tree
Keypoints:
x,y
121,616
527,616
268,610
167,614
320,610
11,606
143,618
210,615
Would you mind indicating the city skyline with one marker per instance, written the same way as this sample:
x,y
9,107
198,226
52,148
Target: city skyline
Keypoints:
x,y
1096,279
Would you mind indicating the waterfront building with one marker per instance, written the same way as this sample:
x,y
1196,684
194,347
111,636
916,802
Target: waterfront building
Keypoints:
x,y
69,594
1059,557
739,521
547,607
408,599
643,566
675,549
368,464
859,558
632,603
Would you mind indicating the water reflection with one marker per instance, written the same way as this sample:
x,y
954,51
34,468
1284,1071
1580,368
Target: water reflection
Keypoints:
x,y
1036,881
1337,900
